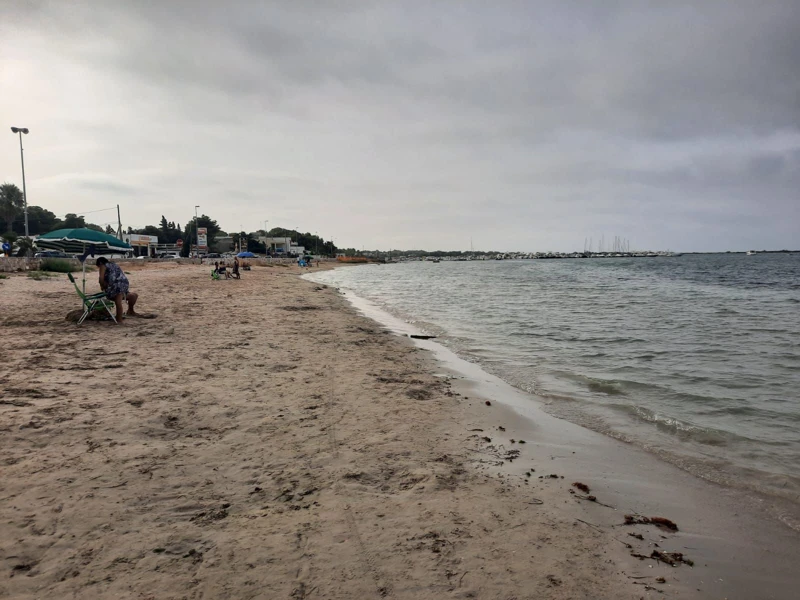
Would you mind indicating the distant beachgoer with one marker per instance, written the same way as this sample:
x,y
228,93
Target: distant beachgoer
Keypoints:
x,y
236,268
116,286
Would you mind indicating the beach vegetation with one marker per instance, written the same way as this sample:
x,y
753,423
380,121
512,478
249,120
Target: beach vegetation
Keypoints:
x,y
39,275
57,265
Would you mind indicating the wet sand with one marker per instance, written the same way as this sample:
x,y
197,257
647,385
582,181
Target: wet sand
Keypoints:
x,y
261,439
743,545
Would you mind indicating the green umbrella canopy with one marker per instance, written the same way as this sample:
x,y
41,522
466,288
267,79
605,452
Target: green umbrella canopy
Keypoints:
x,y
78,241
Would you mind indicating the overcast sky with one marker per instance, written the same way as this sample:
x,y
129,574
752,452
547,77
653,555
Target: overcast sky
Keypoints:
x,y
522,125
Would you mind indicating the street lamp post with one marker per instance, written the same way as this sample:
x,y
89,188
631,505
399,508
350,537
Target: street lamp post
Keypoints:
x,y
266,250
20,131
196,231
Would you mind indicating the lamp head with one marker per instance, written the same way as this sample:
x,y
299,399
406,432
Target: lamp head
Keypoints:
x,y
18,129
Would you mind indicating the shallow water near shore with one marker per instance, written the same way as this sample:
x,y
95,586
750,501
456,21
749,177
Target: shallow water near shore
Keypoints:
x,y
741,554
695,358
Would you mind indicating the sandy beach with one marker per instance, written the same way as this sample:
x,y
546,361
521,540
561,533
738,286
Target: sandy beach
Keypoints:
x,y
262,439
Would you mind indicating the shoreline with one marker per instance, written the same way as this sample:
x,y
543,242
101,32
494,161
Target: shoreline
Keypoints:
x,y
261,437
728,529
764,486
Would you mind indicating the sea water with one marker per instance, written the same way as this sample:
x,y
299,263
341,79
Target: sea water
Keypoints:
x,y
696,358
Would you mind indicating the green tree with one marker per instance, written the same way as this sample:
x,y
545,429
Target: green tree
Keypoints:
x,y
168,232
40,221
24,246
311,242
10,237
187,244
210,224
11,203
110,230
256,247
149,230
72,221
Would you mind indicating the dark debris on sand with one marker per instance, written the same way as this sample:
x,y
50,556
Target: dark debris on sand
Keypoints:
x,y
635,519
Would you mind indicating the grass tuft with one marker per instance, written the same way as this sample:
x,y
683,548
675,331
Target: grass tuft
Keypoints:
x,y
57,265
39,275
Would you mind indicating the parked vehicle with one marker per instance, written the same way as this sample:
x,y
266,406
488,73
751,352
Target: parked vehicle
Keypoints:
x,y
51,254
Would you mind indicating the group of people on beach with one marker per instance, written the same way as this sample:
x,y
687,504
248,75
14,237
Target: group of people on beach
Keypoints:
x,y
221,270
116,286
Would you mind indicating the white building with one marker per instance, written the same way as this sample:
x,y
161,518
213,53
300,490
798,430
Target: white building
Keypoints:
x,y
277,245
143,245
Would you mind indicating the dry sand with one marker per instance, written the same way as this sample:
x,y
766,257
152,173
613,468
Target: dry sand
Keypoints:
x,y
260,439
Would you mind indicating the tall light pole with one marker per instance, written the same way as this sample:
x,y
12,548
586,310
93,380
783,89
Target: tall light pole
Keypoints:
x,y
196,231
266,250
20,131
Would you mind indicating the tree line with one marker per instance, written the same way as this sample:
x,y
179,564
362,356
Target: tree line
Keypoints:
x,y
41,220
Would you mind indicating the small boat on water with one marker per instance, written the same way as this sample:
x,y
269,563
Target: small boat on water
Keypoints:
x,y
751,252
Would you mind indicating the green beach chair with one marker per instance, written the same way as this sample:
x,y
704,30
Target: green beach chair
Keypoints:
x,y
93,302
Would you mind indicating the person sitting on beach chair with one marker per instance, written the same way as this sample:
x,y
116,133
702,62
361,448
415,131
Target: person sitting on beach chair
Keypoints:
x,y
223,271
115,285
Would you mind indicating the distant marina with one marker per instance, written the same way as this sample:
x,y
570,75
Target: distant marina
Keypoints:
x,y
400,257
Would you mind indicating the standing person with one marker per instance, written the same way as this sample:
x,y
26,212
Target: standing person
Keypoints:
x,y
236,268
114,283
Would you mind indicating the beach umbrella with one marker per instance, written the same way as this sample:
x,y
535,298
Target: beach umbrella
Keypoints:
x,y
246,255
84,242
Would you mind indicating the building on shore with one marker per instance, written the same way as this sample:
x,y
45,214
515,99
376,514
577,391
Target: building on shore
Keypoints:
x,y
223,244
277,245
143,245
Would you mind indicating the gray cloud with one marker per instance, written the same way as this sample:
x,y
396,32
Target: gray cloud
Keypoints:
x,y
110,187
418,124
